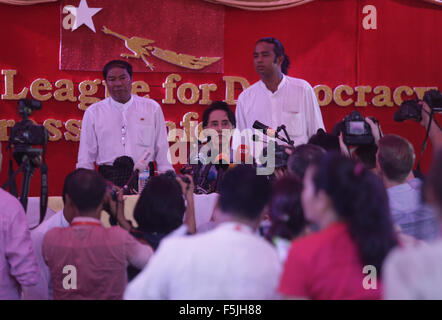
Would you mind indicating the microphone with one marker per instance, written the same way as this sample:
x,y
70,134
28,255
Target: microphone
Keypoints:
x,y
267,130
222,161
242,154
222,157
151,169
141,165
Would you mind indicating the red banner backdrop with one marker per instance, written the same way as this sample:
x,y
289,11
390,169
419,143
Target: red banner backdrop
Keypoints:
x,y
365,55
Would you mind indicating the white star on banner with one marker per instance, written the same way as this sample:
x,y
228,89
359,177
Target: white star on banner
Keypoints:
x,y
83,15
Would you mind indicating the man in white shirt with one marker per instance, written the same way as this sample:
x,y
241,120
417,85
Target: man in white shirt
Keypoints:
x,y
229,262
122,125
278,99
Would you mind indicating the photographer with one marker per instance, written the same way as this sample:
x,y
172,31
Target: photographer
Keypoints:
x,y
161,208
99,256
361,133
228,262
394,162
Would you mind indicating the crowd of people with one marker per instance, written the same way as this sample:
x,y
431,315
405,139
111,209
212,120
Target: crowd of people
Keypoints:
x,y
332,223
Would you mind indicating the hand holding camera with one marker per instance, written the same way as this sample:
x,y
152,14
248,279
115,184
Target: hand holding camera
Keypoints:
x,y
114,205
357,130
187,185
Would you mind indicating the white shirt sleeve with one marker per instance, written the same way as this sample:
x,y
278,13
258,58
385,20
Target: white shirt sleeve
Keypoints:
x,y
239,137
312,112
41,290
152,282
161,143
88,150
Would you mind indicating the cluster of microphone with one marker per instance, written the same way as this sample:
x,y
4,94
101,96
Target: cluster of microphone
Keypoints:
x,y
221,161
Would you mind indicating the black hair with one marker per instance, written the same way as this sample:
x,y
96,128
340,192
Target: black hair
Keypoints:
x,y
218,105
86,189
302,157
65,190
278,49
243,193
367,155
286,213
360,199
160,207
325,140
117,64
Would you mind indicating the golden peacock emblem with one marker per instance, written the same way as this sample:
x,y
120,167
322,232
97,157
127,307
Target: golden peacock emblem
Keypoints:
x,y
142,48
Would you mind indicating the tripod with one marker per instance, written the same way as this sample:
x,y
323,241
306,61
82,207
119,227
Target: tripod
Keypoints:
x,y
29,159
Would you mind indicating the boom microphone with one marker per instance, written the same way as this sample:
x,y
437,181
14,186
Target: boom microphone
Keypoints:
x,y
267,130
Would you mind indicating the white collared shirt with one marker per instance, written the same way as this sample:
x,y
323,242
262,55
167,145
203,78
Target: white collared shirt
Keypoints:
x,y
293,104
229,262
110,129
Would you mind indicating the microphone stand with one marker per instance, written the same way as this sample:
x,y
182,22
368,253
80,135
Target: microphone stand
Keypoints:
x,y
288,140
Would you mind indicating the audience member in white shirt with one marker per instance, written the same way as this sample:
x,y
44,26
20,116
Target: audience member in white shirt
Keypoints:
x,y
229,262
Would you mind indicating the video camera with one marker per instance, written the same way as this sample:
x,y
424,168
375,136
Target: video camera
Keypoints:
x,y
281,155
411,109
26,134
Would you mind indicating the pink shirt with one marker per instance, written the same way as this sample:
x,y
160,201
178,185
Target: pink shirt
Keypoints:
x,y
88,261
18,264
324,266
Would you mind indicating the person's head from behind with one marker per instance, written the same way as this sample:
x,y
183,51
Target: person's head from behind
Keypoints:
x,y
160,207
243,194
367,155
118,77
285,209
68,209
433,183
84,192
302,157
327,141
338,189
219,117
269,57
395,158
